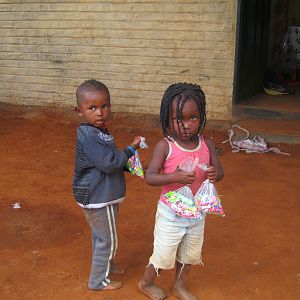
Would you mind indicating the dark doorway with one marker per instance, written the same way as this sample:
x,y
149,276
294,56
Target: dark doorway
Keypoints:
x,y
262,28
252,47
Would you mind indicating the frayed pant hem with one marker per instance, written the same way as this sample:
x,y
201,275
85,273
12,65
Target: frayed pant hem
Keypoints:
x,y
194,263
156,268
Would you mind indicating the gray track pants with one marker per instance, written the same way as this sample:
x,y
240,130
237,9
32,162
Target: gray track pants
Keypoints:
x,y
104,243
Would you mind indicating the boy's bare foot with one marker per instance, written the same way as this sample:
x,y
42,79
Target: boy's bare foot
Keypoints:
x,y
181,293
113,285
116,270
153,292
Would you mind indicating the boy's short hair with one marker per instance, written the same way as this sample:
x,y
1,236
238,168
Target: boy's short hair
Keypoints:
x,y
90,85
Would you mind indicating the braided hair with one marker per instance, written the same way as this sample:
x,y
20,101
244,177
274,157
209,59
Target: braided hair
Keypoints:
x,y
90,85
181,92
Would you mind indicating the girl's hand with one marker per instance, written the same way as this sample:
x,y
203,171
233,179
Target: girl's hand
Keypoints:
x,y
211,173
136,142
183,177
215,170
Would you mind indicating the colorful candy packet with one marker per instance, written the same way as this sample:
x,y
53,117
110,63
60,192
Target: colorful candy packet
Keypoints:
x,y
182,199
208,200
134,165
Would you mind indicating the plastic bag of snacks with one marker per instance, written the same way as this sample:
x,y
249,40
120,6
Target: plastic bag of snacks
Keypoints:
x,y
182,199
134,165
208,200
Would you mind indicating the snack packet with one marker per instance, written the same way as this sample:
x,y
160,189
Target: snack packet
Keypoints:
x,y
182,199
208,200
134,165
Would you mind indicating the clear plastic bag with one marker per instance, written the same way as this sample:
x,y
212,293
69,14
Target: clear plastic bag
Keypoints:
x,y
257,144
143,143
182,199
208,200
134,165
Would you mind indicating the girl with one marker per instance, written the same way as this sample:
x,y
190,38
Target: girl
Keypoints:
x,y
178,240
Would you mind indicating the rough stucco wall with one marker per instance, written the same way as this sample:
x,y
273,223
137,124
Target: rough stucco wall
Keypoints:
x,y
136,47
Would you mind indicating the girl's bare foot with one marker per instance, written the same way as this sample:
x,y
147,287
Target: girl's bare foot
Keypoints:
x,y
181,293
113,285
117,270
153,292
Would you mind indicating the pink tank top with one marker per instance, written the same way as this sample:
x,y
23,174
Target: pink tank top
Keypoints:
x,y
176,155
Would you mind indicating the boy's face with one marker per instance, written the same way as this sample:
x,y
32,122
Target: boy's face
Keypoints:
x,y
189,123
95,107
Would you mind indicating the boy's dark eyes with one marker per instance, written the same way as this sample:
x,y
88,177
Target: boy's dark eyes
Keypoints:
x,y
106,105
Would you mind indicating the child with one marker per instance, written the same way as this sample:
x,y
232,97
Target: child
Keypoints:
x,y
178,240
99,182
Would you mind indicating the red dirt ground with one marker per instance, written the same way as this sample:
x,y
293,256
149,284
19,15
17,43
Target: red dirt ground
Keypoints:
x,y
252,253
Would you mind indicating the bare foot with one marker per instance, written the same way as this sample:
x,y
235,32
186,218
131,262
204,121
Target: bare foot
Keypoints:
x,y
116,270
181,293
113,285
153,292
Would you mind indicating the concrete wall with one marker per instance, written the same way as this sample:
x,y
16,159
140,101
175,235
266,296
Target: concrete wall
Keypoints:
x,y
136,47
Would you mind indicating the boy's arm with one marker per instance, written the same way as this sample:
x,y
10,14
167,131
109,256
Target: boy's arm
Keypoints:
x,y
214,159
104,158
153,175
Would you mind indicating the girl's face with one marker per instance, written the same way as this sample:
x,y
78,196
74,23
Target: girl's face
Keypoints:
x,y
187,126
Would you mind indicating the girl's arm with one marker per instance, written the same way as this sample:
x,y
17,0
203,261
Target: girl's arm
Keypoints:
x,y
215,171
153,175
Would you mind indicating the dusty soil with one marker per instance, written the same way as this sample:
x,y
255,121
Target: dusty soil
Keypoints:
x,y
45,250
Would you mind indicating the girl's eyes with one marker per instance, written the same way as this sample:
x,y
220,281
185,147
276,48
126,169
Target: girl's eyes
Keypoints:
x,y
193,118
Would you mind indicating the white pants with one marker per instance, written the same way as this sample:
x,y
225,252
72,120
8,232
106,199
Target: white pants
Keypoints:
x,y
176,238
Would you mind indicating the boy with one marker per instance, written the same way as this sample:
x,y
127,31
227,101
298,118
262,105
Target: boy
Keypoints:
x,y
99,182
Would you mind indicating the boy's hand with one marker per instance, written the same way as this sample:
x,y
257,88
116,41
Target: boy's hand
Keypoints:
x,y
211,173
136,142
183,177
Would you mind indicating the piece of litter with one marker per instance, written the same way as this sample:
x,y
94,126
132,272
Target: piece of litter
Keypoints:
x,y
16,205
256,144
